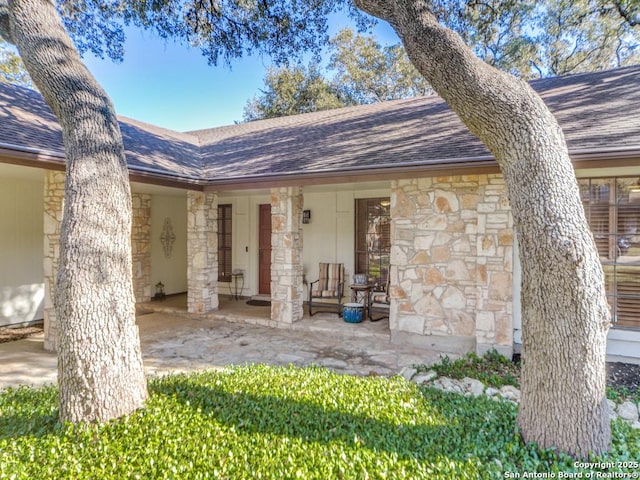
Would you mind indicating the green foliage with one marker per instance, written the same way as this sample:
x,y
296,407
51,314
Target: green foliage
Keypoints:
x,y
267,422
492,369
621,394
532,39
363,72
366,72
578,37
526,37
223,30
496,370
12,69
289,91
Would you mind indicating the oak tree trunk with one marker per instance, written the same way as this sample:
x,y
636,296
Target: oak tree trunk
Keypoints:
x,y
565,316
100,369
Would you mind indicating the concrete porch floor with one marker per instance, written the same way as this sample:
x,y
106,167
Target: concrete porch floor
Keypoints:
x,y
237,334
238,311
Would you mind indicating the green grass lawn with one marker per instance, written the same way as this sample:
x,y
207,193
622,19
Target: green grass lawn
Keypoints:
x,y
279,423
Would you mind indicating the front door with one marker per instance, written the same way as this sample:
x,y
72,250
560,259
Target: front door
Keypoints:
x,y
264,250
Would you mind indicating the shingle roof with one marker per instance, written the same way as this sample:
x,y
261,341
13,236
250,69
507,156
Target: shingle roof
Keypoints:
x,y
355,137
597,111
27,121
159,149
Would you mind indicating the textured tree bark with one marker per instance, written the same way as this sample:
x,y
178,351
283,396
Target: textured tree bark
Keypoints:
x,y
100,369
564,308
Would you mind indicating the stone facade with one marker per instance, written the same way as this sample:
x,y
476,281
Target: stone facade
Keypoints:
x,y
451,259
141,246
202,252
494,300
287,289
451,263
53,207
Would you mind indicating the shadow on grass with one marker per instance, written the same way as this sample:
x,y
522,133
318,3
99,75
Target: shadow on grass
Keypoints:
x,y
436,423
453,427
27,411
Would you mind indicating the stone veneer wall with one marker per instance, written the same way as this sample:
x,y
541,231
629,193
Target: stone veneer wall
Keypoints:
x,y
451,263
287,290
202,252
141,246
53,207
494,301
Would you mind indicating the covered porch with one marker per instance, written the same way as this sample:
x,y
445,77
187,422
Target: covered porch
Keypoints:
x,y
449,256
238,311
181,342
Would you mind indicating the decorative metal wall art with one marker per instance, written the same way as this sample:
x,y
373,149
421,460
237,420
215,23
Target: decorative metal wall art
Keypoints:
x,y
167,238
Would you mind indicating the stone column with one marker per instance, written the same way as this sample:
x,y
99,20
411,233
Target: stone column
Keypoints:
x,y
494,306
202,251
53,207
287,290
141,246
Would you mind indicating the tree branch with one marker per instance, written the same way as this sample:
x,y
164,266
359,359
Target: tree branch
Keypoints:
x,y
441,56
5,22
382,10
630,17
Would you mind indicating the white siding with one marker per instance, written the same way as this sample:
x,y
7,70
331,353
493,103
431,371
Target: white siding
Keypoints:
x,y
21,250
329,237
171,271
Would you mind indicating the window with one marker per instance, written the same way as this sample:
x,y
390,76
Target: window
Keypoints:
x,y
373,238
612,206
224,243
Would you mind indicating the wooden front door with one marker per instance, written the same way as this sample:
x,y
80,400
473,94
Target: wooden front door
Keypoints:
x,y
264,250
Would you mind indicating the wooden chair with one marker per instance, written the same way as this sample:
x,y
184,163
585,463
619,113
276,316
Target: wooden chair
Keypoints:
x,y
330,285
379,298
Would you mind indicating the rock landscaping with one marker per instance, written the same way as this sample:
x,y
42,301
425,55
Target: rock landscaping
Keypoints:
x,y
625,410
11,334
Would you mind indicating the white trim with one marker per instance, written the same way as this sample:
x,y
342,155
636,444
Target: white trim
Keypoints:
x,y
36,151
623,345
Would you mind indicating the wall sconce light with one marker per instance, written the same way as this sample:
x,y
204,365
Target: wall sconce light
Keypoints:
x,y
306,216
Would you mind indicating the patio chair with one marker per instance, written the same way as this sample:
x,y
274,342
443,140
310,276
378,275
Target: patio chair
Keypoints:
x,y
330,285
379,298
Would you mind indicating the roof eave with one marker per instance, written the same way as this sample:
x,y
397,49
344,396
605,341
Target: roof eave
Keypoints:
x,y
581,158
31,157
153,177
628,156
51,160
462,166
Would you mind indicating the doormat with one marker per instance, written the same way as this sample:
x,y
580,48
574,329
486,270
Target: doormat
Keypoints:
x,y
259,303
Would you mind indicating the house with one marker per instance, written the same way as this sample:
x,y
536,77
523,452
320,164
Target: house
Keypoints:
x,y
398,189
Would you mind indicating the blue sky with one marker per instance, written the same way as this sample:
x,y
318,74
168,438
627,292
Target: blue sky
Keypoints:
x,y
172,86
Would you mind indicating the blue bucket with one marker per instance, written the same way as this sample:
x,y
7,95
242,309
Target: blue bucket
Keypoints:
x,y
352,312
